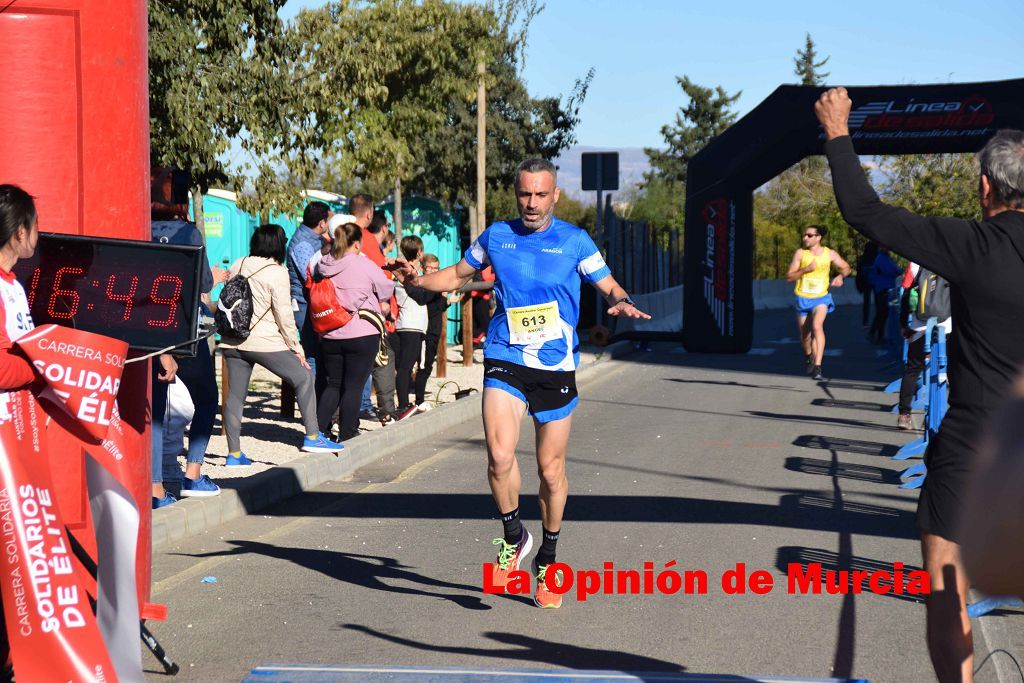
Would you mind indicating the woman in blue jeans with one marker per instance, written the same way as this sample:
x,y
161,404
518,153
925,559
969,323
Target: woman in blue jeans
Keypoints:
x,y
197,374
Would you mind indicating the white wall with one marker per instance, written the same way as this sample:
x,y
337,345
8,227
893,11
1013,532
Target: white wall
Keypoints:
x,y
666,306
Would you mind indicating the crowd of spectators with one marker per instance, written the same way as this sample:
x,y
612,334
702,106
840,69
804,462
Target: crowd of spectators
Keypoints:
x,y
386,349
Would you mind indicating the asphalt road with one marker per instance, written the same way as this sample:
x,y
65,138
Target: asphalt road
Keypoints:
x,y
707,461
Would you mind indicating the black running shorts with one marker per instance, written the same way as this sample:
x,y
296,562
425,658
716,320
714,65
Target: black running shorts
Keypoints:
x,y
549,395
950,460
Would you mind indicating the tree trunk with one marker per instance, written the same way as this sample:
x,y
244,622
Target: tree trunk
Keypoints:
x,y
197,211
481,151
398,211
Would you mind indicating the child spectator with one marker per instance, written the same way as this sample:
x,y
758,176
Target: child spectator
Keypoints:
x,y
436,304
411,326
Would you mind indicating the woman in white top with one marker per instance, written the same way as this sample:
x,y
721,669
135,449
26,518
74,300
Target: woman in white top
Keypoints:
x,y
273,342
19,233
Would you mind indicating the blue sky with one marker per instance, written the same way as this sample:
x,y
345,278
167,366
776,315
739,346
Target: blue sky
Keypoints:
x,y
638,48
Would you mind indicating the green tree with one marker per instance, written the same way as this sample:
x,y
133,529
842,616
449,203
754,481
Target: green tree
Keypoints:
x,y
519,125
807,69
201,56
799,196
659,203
706,115
931,184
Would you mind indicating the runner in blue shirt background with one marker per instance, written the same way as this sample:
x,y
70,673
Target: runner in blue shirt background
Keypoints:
x,y
532,352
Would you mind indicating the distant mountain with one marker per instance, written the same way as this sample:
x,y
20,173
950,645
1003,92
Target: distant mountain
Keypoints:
x,y
632,166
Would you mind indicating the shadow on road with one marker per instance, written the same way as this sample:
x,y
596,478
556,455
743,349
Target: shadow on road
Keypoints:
x,y
368,571
830,561
792,511
834,421
744,385
852,405
844,470
844,445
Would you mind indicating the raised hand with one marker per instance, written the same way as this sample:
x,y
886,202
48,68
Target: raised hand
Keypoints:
x,y
833,111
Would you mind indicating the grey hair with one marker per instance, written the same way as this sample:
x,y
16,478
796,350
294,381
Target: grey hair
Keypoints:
x,y
1002,162
536,165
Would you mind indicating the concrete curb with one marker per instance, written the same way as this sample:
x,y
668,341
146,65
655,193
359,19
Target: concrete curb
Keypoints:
x,y
191,516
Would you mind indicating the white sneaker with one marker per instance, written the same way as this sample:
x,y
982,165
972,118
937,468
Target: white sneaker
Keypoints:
x,y
424,407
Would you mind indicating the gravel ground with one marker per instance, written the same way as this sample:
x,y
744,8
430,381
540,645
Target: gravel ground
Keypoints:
x,y
270,440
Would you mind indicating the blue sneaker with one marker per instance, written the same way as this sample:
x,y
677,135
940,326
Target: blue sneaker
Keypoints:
x,y
168,499
320,444
240,461
200,487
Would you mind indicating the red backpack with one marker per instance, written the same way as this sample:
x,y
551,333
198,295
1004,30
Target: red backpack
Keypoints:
x,y
325,311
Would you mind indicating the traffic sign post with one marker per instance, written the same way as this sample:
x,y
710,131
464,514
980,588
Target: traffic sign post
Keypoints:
x,y
600,173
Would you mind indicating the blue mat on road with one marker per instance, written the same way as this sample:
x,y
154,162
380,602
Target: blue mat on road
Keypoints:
x,y
313,673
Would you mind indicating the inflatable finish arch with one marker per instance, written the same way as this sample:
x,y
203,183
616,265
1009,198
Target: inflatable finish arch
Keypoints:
x,y
718,310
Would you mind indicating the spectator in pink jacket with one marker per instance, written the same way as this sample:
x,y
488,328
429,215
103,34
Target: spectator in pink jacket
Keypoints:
x,y
348,352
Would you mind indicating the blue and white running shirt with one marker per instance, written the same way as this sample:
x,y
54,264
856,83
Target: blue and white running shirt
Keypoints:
x,y
537,279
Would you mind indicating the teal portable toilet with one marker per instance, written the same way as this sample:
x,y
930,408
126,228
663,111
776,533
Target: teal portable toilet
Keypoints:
x,y
439,230
286,221
337,202
228,229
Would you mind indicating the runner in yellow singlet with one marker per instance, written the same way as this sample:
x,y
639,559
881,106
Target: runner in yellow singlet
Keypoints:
x,y
810,269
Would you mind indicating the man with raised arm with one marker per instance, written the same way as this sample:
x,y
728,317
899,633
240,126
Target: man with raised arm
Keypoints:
x,y
983,260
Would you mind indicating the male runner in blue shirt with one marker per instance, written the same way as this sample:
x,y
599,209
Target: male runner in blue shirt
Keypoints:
x,y
532,352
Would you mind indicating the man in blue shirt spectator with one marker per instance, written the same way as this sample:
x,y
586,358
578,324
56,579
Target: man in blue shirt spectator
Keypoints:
x,y
308,239
882,278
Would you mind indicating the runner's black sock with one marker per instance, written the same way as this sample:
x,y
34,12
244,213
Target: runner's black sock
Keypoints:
x,y
513,527
546,554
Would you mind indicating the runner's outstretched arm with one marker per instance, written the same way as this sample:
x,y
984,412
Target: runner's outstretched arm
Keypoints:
x,y
446,280
618,300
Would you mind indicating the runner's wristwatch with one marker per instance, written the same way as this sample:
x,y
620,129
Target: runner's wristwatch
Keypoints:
x,y
625,300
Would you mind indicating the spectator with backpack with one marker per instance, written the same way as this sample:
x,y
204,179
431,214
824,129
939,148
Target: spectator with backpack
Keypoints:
x,y
349,352
255,320
925,295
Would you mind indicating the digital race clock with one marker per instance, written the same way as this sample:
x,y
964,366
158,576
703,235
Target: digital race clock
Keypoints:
x,y
144,293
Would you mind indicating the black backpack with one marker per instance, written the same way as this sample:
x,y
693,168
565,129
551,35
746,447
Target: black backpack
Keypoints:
x,y
234,307
932,296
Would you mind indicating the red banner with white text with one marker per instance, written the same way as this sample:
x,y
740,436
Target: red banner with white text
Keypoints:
x,y
51,629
